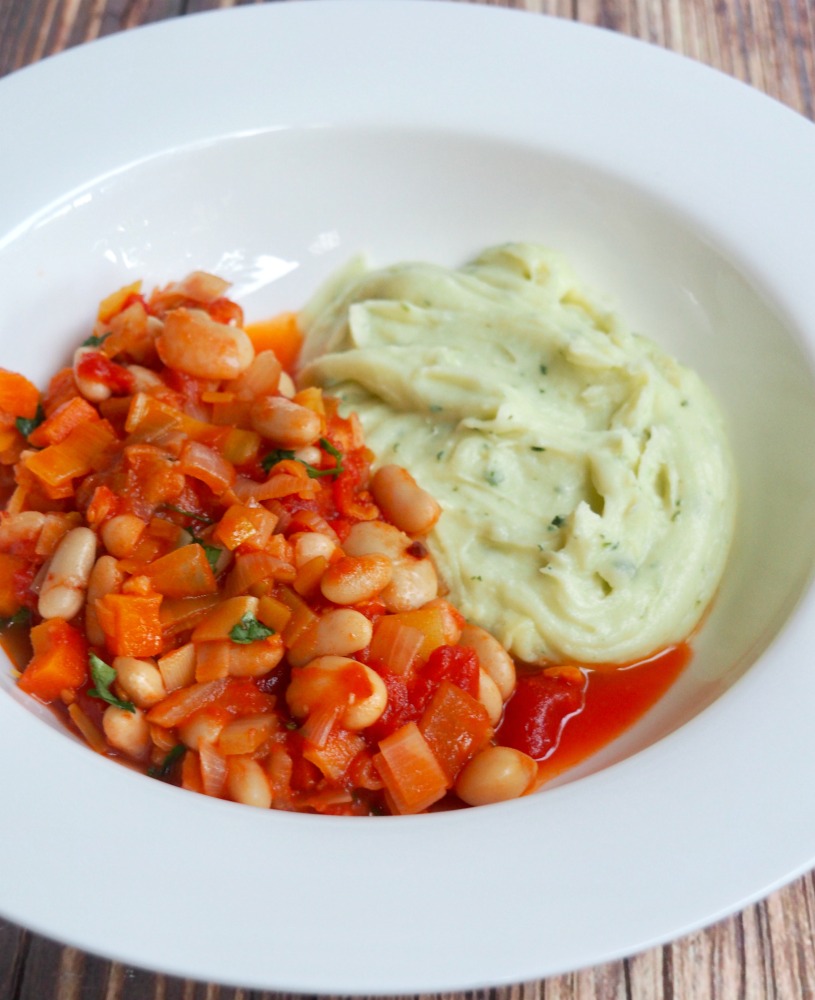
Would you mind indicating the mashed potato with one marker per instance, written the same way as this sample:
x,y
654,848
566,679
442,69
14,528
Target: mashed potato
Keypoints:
x,y
585,479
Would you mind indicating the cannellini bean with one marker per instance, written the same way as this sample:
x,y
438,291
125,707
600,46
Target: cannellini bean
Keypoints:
x,y
414,583
311,544
354,579
194,343
319,683
376,536
286,423
246,783
260,378
92,389
414,580
127,731
403,501
339,632
105,578
140,680
143,378
121,534
62,594
492,656
496,774
311,455
490,697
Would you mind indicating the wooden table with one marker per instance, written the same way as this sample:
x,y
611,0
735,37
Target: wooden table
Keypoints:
x,y
766,951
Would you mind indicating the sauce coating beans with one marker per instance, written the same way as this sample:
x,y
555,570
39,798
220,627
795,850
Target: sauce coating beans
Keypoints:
x,y
216,588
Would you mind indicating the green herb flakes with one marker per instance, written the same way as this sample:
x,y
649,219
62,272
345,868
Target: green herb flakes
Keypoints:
x,y
249,629
103,675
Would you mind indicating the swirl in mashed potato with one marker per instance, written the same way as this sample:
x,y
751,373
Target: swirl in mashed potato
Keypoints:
x,y
586,483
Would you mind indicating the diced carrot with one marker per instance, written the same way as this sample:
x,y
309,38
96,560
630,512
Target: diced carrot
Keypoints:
x,y
413,778
456,727
61,388
60,660
56,427
18,396
131,623
184,572
280,334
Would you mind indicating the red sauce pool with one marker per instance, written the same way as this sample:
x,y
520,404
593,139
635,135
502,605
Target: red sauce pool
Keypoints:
x,y
615,699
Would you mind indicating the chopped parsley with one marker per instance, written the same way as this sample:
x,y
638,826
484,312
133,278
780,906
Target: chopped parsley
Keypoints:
x,y
162,770
537,447
212,552
249,629
283,454
95,341
557,522
544,369
21,617
278,455
189,513
103,675
25,425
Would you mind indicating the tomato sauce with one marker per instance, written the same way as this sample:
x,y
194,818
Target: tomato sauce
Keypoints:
x,y
615,699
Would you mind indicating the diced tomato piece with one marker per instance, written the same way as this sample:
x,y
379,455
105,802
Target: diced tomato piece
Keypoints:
x,y
95,367
535,714
457,664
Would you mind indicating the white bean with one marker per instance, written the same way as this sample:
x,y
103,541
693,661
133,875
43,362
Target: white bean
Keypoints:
x,y
127,731
121,533
192,342
319,683
140,680
496,774
340,632
246,783
403,501
105,578
310,544
92,389
287,424
490,697
62,594
492,656
354,579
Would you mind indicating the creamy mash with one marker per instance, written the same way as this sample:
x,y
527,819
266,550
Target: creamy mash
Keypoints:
x,y
585,479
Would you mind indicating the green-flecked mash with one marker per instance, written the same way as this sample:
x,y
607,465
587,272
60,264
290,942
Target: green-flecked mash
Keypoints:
x,y
585,478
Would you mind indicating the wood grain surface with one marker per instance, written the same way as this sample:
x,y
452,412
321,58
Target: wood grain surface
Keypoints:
x,y
766,952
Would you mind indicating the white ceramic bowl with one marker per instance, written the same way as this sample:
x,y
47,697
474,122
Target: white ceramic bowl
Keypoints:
x,y
269,144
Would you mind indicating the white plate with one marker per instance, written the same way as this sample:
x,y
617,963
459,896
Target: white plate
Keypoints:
x,y
270,143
